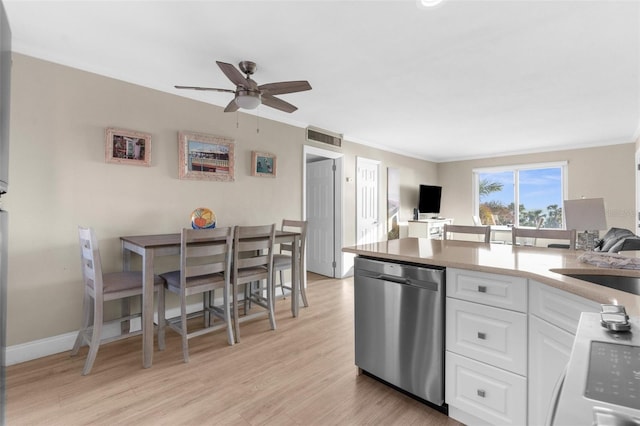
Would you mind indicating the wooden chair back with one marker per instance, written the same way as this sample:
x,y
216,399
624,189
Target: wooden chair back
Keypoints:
x,y
295,226
204,252
549,234
253,253
91,263
467,229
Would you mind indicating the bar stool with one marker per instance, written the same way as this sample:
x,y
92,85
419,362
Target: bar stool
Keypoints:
x,y
205,266
102,287
283,261
253,261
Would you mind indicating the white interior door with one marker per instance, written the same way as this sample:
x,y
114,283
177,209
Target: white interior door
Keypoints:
x,y
320,217
367,214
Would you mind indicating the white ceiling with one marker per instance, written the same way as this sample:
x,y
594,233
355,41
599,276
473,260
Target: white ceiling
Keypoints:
x,y
466,79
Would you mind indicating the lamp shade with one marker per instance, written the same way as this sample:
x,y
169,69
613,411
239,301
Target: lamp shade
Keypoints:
x,y
586,214
248,99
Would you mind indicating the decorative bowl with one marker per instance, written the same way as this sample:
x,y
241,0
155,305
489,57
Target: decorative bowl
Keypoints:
x,y
203,218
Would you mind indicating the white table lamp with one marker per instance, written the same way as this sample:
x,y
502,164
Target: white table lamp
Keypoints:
x,y
587,217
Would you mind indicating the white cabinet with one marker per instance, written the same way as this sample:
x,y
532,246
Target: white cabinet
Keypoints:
x,y
508,340
549,352
486,347
553,320
487,334
497,290
558,307
491,394
428,228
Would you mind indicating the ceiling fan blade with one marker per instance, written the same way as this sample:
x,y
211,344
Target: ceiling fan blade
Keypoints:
x,y
233,74
232,106
285,87
213,89
276,103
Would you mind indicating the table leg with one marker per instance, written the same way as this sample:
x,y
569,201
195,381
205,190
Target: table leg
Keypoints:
x,y
295,277
125,326
147,308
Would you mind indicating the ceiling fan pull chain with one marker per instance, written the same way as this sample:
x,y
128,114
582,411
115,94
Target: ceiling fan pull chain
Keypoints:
x,y
237,124
258,121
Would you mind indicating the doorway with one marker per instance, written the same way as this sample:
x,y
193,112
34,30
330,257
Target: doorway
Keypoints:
x,y
322,209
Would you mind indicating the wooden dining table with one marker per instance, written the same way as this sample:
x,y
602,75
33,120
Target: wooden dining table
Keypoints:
x,y
151,246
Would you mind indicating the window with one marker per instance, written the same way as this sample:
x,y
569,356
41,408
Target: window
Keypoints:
x,y
537,189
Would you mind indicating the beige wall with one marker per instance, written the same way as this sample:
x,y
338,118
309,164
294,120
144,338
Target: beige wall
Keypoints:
x,y
413,172
59,180
606,172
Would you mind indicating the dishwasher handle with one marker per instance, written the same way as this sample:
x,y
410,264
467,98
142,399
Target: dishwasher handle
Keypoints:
x,y
393,279
406,281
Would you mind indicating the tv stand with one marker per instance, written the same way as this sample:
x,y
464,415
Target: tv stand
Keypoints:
x,y
428,228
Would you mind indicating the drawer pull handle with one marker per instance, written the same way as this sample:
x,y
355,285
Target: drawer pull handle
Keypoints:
x,y
481,393
482,289
482,336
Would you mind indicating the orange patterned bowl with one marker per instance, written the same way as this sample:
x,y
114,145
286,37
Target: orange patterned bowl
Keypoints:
x,y
203,218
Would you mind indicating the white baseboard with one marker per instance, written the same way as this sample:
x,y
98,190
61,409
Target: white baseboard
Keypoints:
x,y
64,342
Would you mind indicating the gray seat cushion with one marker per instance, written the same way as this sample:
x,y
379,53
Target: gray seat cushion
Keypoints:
x,y
114,282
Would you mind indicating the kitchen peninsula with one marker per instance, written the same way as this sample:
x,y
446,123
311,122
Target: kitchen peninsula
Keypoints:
x,y
545,265
510,313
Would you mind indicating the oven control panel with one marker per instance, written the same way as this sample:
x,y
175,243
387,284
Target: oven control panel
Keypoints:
x,y
614,374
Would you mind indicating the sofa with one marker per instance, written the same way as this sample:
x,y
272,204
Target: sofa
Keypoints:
x,y
617,240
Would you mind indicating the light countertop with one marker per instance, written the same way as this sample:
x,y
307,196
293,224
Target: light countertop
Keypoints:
x,y
545,265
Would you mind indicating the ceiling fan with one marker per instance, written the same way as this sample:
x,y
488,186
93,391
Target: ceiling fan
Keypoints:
x,y
248,94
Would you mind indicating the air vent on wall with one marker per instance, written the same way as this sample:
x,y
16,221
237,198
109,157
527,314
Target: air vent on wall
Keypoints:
x,y
324,136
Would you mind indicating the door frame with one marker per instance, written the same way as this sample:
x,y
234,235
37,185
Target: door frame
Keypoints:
x,y
312,151
379,222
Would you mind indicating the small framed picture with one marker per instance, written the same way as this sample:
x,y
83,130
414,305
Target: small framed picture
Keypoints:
x,y
263,164
127,147
205,157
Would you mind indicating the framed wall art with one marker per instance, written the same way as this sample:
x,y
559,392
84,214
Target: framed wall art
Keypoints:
x,y
263,164
127,147
205,157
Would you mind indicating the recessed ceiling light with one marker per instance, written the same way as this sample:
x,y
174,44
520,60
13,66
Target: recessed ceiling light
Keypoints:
x,y
429,3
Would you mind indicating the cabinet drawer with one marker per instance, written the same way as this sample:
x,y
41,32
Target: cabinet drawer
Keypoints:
x,y
489,393
502,291
488,334
557,306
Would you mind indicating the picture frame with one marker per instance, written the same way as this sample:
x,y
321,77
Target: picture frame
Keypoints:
x,y
263,164
205,157
127,147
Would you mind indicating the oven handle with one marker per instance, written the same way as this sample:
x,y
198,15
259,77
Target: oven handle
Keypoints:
x,y
555,398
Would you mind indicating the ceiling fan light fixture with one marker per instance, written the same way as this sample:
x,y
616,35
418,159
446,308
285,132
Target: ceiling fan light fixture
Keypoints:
x,y
247,99
429,3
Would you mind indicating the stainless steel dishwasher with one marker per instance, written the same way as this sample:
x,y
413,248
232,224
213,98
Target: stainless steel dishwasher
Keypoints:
x,y
399,325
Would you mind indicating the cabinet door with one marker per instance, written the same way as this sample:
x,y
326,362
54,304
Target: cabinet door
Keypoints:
x,y
558,307
549,352
491,335
417,229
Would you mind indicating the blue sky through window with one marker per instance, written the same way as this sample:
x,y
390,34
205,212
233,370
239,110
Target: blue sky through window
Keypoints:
x,y
539,188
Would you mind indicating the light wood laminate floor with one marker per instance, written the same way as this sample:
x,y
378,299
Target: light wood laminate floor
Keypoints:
x,y
303,373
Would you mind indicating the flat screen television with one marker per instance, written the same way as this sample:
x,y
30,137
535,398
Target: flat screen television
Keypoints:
x,y
429,201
